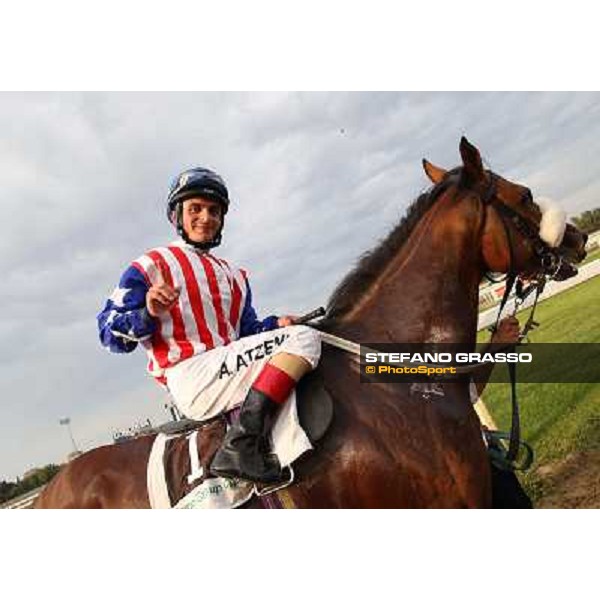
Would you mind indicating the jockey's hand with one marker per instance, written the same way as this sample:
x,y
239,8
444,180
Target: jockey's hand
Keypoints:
x,y
508,331
286,321
160,298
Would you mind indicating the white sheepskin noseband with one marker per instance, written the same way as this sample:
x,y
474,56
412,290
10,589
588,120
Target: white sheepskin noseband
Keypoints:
x,y
553,223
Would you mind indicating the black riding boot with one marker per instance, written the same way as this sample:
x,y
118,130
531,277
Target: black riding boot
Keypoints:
x,y
244,452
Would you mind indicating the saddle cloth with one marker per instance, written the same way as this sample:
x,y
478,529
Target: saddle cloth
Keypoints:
x,y
178,467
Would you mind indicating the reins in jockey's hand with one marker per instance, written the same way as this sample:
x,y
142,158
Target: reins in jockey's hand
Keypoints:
x,y
313,314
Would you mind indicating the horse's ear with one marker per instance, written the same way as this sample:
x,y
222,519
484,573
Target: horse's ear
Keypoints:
x,y
436,174
472,162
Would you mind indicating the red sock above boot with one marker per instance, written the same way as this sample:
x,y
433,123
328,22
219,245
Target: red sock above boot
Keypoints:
x,y
275,383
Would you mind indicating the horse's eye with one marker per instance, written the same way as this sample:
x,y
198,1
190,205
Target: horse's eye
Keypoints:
x,y
527,198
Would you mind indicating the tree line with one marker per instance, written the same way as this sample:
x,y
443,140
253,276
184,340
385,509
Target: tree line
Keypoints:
x,y
588,221
13,489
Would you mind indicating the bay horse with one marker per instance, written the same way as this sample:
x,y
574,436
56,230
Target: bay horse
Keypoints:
x,y
387,446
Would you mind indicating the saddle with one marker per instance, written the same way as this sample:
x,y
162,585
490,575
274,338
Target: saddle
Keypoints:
x,y
185,449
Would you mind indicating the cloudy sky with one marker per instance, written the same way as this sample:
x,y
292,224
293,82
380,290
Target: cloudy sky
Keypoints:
x,y
316,179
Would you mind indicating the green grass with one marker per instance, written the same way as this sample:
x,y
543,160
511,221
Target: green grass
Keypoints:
x,y
557,419
593,255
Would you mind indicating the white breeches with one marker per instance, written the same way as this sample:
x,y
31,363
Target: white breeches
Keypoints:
x,y
217,381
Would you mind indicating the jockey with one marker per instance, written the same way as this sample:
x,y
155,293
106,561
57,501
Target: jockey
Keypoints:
x,y
193,313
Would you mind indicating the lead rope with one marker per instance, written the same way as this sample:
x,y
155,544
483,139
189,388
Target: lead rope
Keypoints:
x,y
515,422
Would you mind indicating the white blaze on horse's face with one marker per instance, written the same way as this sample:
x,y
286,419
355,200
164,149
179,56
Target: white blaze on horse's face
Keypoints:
x,y
553,223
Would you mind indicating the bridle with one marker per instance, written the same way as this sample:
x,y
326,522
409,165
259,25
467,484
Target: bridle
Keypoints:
x,y
551,266
550,260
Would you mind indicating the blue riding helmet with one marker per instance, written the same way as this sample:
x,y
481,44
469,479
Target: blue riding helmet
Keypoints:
x,y
191,183
196,181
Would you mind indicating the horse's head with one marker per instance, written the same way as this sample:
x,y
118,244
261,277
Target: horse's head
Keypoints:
x,y
573,244
518,234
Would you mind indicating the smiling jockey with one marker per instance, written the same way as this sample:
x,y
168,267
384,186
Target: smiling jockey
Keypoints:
x,y
193,314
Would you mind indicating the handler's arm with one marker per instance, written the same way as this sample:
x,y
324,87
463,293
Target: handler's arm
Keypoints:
x,y
507,333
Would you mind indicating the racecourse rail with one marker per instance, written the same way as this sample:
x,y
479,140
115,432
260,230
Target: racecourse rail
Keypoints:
x,y
23,501
592,269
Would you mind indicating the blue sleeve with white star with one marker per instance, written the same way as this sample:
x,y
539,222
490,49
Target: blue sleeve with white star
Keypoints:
x,y
250,324
125,321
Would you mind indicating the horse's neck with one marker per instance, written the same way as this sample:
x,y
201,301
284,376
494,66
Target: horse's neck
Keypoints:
x,y
429,292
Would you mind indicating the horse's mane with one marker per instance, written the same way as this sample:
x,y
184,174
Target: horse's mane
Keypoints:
x,y
373,262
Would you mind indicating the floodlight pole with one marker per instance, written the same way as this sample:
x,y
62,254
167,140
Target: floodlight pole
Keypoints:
x,y
67,422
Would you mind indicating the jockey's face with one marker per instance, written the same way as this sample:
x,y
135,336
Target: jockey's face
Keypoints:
x,y
201,219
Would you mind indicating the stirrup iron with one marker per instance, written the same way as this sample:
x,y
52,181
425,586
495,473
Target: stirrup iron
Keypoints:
x,y
269,489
